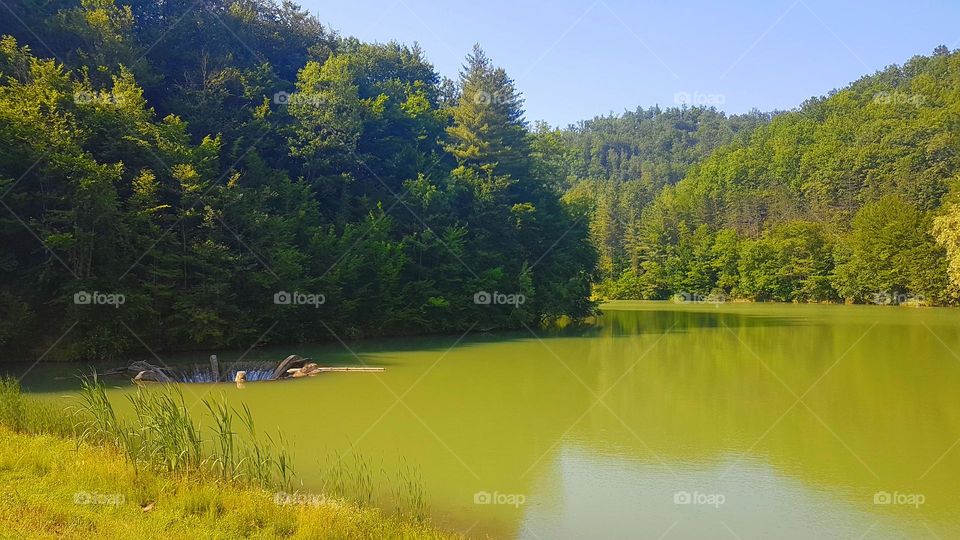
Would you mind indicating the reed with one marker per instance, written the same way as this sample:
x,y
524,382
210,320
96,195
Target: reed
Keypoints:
x,y
353,477
163,435
25,414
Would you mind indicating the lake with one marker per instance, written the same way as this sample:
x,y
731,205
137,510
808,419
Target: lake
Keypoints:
x,y
658,420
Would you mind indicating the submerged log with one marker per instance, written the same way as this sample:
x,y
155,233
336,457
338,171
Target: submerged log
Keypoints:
x,y
288,363
360,369
293,366
152,375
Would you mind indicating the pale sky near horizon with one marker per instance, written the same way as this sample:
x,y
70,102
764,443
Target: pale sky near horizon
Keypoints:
x,y
575,59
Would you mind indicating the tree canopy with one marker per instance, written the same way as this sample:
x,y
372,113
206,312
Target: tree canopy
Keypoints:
x,y
212,164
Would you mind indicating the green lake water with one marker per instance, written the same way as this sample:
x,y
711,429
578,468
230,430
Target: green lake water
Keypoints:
x,y
659,420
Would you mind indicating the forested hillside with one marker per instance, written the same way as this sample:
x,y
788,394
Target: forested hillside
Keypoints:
x,y
853,197
616,165
199,175
180,175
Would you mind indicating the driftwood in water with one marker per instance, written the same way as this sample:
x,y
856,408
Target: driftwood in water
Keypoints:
x,y
151,373
288,363
293,366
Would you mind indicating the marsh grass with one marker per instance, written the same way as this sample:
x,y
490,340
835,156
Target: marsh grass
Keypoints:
x,y
222,445
41,475
163,435
25,414
354,477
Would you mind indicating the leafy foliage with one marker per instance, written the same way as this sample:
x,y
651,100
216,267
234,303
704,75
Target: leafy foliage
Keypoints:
x,y
842,199
198,159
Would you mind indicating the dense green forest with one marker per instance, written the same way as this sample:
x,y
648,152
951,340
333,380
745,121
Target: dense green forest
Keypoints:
x,y
200,175
180,175
616,165
852,197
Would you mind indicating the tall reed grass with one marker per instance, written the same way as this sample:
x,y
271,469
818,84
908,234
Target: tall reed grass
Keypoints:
x,y
354,477
221,443
25,414
163,435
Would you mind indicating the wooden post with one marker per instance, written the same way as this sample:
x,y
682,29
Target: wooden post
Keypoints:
x,y
214,368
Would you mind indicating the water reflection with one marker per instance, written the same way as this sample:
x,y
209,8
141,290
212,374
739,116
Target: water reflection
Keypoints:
x,y
798,415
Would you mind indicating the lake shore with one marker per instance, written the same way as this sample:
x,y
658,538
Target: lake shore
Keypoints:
x,y
90,477
76,491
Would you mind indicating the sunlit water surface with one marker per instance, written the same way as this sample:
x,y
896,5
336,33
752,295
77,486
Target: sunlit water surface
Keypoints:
x,y
658,421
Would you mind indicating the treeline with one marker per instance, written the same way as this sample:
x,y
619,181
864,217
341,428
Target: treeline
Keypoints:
x,y
181,175
616,165
852,197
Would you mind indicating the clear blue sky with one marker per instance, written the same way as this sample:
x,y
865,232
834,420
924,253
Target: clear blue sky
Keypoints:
x,y
574,59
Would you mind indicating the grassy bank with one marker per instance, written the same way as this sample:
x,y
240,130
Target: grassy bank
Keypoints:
x,y
89,474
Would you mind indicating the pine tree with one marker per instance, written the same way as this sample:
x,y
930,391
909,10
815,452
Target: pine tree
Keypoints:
x,y
488,131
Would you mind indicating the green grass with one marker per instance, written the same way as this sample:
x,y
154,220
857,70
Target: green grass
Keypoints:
x,y
90,473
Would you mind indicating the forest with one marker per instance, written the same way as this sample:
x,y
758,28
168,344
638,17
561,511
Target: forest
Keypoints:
x,y
179,175
853,197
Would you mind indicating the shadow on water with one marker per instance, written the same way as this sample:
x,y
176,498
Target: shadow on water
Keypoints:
x,y
655,318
